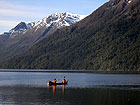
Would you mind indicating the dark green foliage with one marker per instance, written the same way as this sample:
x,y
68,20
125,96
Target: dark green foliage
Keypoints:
x,y
108,39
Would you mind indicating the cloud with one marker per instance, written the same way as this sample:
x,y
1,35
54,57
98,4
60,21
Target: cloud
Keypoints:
x,y
19,13
18,10
8,23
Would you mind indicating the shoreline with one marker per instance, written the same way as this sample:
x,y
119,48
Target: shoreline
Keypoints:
x,y
70,71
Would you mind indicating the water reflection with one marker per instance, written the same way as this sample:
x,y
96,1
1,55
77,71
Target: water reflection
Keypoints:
x,y
73,96
54,88
63,89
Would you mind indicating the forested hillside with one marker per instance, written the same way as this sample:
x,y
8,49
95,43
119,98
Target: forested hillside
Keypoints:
x,y
108,39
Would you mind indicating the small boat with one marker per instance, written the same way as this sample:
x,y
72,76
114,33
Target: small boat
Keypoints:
x,y
51,83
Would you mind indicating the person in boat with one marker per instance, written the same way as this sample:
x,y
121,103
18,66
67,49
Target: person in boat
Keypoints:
x,y
64,80
54,81
49,83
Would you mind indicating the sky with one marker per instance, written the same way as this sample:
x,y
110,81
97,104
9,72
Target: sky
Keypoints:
x,y
13,12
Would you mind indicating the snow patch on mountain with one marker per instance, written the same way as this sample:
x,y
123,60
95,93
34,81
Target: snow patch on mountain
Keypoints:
x,y
124,2
129,1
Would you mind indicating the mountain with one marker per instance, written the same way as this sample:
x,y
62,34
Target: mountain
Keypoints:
x,y
21,27
108,39
24,35
55,21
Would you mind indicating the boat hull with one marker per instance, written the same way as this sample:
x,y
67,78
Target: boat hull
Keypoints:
x,y
51,83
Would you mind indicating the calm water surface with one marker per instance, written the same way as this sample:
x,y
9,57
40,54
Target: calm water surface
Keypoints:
x,y
83,89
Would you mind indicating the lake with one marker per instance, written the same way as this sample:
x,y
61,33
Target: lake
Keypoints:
x,y
28,88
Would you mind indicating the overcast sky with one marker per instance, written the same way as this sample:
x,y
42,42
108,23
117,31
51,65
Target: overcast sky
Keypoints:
x,y
14,11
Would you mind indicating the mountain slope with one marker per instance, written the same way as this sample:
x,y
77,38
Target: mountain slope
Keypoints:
x,y
24,35
108,39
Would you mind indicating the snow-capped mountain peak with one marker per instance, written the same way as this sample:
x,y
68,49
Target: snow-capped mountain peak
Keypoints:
x,y
56,20
60,20
22,26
